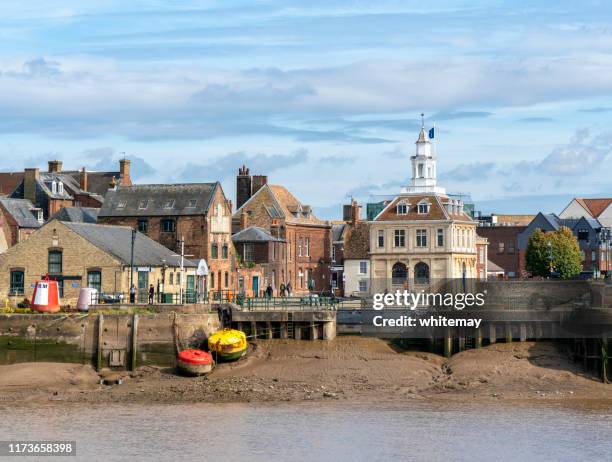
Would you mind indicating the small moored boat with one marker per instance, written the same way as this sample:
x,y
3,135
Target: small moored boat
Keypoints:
x,y
227,344
195,362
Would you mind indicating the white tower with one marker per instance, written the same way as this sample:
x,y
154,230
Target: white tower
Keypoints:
x,y
423,166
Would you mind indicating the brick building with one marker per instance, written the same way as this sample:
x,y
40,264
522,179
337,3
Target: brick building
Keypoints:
x,y
306,261
197,213
501,232
57,188
18,219
259,257
59,248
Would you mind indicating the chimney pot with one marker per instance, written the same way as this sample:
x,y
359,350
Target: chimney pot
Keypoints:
x,y
55,166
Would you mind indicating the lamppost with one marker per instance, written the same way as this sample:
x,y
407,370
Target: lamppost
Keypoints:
x,y
550,259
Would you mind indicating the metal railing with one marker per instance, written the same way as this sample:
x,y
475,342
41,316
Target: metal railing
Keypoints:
x,y
306,302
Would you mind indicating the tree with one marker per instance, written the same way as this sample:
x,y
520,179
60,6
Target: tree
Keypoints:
x,y
564,250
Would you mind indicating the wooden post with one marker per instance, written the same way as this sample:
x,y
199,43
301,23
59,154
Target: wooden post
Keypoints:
x,y
134,342
254,330
478,338
448,345
508,333
492,333
100,341
269,333
461,343
523,332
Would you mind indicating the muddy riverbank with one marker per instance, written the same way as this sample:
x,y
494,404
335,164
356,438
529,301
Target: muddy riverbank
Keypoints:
x,y
352,369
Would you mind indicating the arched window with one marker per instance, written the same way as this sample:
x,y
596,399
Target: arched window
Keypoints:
x,y
399,273
421,273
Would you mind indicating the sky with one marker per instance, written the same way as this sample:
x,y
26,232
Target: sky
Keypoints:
x,y
324,97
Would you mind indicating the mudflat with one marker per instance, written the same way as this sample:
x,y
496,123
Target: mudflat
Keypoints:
x,y
352,369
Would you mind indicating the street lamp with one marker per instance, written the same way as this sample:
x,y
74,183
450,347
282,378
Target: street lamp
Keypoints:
x,y
550,259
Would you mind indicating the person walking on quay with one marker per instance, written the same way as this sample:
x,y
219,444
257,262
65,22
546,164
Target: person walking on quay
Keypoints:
x,y
288,289
282,289
269,291
133,294
151,294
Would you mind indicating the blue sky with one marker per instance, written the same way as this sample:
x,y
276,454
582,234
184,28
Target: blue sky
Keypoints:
x,y
323,96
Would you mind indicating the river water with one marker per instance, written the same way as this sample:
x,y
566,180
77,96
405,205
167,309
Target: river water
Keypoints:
x,y
312,432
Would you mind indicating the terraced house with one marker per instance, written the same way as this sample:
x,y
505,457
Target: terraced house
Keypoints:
x,y
423,234
196,213
304,241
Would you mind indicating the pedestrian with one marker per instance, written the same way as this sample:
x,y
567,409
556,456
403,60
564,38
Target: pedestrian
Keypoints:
x,y
269,291
288,288
133,294
282,289
151,294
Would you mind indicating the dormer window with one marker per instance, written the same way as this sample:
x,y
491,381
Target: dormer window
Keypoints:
x,y
423,207
192,203
54,187
401,208
169,204
60,187
143,204
121,205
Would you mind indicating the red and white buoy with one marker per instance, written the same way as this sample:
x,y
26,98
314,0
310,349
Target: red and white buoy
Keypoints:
x,y
46,297
195,362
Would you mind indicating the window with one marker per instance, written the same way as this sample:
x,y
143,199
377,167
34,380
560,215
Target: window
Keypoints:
x,y
363,267
381,238
333,252
94,280
143,225
60,187
178,278
272,251
582,256
501,247
248,251
224,251
192,203
440,237
307,246
226,280
212,280
421,170
171,279
169,204
421,238
121,205
593,256
363,285
168,225
143,204
421,273
399,238
55,262
511,248
214,251
53,187
299,247
423,207
17,282
583,234
402,208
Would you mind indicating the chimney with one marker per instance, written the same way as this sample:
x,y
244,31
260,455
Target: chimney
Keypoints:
x,y
124,172
244,219
259,181
83,180
55,166
243,186
355,212
30,176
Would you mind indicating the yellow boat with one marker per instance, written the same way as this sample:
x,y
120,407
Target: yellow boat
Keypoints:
x,y
227,344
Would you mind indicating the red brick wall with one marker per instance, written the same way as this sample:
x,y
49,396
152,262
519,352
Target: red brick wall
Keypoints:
x,y
509,259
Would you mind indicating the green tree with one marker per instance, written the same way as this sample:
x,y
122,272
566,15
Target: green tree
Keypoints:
x,y
566,259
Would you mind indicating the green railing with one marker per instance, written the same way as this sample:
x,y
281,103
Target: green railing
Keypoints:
x,y
306,302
